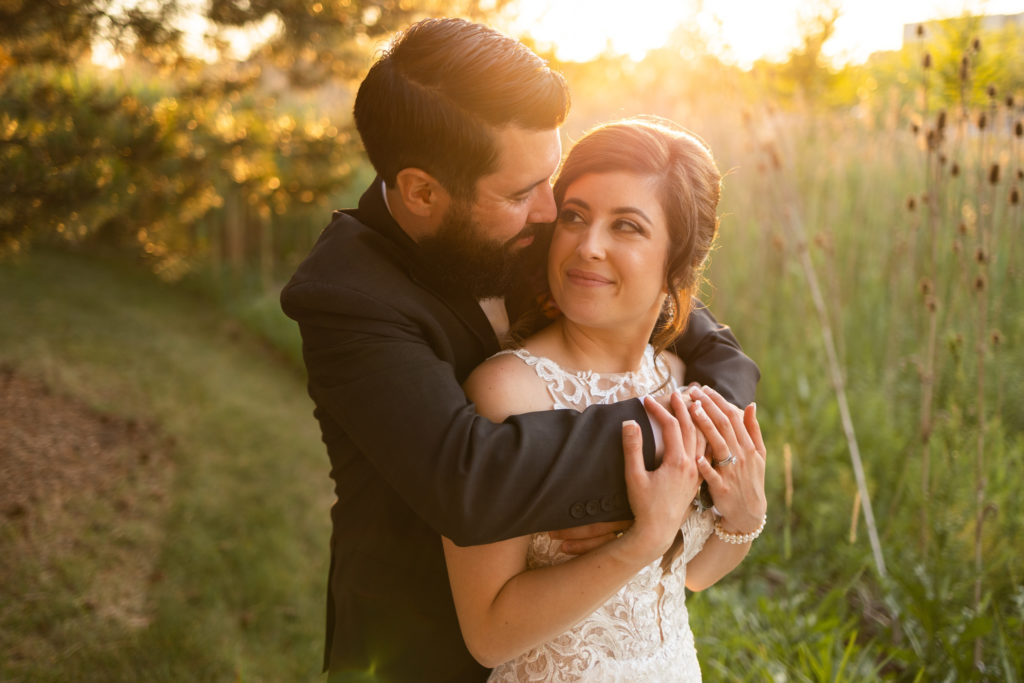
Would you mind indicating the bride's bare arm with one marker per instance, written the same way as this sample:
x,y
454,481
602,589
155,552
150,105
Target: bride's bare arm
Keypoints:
x,y
505,609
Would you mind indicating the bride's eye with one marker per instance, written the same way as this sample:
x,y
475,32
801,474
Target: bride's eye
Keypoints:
x,y
628,226
566,216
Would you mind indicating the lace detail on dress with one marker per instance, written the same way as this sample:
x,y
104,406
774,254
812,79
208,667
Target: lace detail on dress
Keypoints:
x,y
578,390
642,633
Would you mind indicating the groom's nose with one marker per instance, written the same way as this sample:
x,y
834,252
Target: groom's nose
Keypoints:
x,y
542,210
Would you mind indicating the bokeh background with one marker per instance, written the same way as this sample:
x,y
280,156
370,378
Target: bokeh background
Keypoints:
x,y
165,165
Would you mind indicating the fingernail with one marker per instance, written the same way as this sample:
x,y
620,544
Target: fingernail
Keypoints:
x,y
700,409
707,388
755,408
629,424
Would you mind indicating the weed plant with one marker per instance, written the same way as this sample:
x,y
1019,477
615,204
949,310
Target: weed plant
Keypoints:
x,y
913,232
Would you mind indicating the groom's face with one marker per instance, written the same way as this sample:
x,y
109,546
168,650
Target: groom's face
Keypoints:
x,y
517,194
477,242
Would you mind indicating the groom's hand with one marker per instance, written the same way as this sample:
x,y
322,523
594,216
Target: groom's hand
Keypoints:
x,y
582,539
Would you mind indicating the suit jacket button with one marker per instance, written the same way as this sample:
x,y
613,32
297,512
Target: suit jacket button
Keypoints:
x,y
578,511
593,506
607,504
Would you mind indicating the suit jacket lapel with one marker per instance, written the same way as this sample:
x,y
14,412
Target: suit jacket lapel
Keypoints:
x,y
373,212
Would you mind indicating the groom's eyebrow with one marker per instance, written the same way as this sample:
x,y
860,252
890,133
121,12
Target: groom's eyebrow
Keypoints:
x,y
529,188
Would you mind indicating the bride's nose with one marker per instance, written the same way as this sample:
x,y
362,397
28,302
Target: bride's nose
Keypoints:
x,y
591,245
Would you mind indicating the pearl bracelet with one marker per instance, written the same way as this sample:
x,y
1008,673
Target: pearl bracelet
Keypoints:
x,y
739,539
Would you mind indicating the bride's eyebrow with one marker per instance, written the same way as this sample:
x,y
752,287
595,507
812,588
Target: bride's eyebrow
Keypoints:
x,y
631,209
617,211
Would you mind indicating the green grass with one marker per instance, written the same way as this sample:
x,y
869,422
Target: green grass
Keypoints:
x,y
240,546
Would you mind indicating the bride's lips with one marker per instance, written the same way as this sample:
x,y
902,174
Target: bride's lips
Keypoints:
x,y
585,278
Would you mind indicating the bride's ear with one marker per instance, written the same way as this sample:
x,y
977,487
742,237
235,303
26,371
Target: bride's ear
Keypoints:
x,y
422,194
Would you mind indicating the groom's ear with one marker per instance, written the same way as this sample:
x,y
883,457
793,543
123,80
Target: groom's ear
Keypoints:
x,y
422,194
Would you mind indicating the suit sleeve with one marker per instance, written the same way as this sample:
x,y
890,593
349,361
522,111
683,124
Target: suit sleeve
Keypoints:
x,y
375,374
714,357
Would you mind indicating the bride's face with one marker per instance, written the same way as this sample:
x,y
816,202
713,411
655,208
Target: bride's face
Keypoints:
x,y
606,266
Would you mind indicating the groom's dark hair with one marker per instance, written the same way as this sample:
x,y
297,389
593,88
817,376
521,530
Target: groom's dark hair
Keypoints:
x,y
435,97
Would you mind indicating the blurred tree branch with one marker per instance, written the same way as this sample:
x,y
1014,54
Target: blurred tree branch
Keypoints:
x,y
62,31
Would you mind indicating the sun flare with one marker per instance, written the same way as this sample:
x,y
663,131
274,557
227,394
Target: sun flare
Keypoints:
x,y
739,31
580,31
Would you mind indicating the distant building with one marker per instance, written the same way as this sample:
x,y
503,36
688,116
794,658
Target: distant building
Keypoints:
x,y
996,22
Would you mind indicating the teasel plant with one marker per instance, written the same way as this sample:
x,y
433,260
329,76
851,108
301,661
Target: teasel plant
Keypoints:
x,y
932,137
952,167
1006,201
982,207
985,283
776,158
1015,118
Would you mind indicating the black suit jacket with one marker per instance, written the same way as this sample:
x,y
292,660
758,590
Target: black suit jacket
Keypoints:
x,y
387,347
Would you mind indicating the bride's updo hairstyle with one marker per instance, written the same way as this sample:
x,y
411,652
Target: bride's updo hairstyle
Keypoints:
x,y
689,186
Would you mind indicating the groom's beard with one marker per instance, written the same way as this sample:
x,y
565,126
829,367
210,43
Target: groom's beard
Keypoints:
x,y
467,261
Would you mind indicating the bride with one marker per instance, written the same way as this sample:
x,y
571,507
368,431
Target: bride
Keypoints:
x,y
637,216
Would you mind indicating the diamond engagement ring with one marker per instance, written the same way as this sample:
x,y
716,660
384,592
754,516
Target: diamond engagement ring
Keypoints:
x,y
727,461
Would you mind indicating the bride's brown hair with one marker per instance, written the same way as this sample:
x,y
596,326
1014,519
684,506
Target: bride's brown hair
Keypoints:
x,y
689,187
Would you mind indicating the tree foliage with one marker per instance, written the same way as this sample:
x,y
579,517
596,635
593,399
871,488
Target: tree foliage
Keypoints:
x,y
323,39
33,31
154,166
316,40
176,157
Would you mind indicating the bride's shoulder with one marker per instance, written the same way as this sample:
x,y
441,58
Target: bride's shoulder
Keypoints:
x,y
505,385
676,366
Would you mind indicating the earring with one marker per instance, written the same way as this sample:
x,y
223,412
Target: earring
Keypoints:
x,y
668,310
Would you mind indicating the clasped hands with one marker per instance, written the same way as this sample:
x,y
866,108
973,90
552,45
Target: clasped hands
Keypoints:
x,y
705,439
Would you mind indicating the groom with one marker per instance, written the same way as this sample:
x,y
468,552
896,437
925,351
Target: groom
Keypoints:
x,y
461,124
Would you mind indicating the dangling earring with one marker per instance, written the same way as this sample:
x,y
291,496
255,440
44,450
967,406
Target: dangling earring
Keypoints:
x,y
668,311
548,308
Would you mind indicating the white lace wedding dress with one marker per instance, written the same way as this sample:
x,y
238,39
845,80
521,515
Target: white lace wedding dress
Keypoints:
x,y
642,633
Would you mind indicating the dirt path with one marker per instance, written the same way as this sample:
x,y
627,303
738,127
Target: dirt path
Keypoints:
x,y
83,496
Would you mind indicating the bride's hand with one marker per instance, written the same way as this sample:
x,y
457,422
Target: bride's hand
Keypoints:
x,y
737,483
660,499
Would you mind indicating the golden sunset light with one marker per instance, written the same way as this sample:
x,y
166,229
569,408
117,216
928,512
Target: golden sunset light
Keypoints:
x,y
285,397
737,31
740,31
